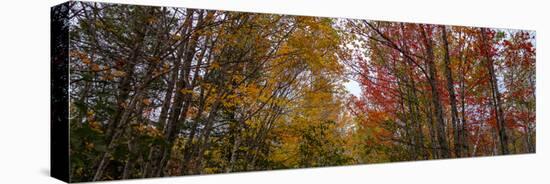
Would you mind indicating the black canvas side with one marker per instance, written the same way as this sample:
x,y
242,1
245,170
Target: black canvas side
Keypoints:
x,y
59,73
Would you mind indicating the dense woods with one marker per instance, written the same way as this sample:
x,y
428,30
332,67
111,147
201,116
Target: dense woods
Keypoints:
x,y
158,91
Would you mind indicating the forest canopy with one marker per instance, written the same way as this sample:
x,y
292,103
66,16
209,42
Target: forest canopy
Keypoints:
x,y
161,91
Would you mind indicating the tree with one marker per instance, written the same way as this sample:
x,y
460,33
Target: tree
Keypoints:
x,y
157,91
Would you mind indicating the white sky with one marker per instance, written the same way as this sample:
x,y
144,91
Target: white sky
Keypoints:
x,y
353,87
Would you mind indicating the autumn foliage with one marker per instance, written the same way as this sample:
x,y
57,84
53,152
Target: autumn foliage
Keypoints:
x,y
157,91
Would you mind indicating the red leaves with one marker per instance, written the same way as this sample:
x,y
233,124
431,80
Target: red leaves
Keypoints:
x,y
506,43
386,77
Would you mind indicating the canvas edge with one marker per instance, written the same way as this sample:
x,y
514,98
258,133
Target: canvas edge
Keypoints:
x,y
59,102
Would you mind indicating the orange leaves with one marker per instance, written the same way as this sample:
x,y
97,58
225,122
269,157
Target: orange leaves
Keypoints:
x,y
81,56
92,123
152,20
378,116
214,66
118,73
123,105
96,126
108,74
249,91
192,112
95,67
89,145
86,60
155,59
148,130
146,101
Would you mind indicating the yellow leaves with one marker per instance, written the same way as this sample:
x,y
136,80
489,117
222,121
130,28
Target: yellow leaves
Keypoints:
x,y
285,49
206,85
96,126
140,127
232,100
155,59
251,124
315,43
251,90
148,130
205,32
231,97
210,170
238,78
90,115
281,102
118,73
263,99
186,91
147,101
176,37
228,104
166,66
99,24
214,66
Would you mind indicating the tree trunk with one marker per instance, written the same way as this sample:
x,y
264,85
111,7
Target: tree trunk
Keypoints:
x,y
437,107
233,157
412,100
451,90
464,132
497,104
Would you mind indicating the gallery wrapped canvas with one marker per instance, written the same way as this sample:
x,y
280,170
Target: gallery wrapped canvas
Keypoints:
x,y
145,91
